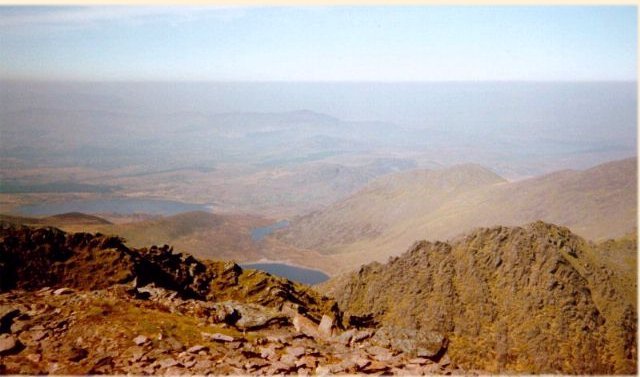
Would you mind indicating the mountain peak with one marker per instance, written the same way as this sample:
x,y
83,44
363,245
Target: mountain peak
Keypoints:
x,y
504,297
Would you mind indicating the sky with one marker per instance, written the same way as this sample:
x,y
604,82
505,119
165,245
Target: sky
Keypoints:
x,y
427,43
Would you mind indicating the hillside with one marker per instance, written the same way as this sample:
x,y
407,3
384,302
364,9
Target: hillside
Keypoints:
x,y
87,304
386,201
72,219
536,299
389,214
202,234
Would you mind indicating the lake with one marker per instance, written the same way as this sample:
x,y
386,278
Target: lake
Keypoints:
x,y
122,206
258,234
293,273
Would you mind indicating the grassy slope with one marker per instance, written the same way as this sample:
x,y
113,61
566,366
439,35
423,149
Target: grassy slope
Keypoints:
x,y
389,216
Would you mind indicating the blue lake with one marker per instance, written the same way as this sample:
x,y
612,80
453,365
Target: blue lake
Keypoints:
x,y
258,234
122,206
293,273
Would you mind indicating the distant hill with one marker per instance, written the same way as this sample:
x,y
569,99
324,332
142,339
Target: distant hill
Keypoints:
x,y
203,234
283,192
75,218
63,219
533,299
393,211
385,202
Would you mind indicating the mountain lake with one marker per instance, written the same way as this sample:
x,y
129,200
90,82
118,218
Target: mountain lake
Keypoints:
x,y
293,273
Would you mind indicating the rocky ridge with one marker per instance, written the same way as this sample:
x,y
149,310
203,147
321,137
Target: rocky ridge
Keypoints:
x,y
87,304
533,299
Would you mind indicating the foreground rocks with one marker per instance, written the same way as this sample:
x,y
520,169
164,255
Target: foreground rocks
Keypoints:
x,y
87,304
111,331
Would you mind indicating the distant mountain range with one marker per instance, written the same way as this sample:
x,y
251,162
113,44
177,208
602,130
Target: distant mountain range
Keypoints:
x,y
395,210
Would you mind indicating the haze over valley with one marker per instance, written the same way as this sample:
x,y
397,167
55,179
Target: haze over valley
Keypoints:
x,y
263,190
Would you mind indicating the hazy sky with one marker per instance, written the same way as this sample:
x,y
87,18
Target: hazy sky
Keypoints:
x,y
319,43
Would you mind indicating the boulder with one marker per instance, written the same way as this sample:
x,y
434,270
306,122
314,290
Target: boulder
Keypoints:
x,y
254,317
174,344
296,351
168,362
140,340
379,353
345,337
7,314
217,337
268,353
305,326
8,344
423,343
326,326
197,348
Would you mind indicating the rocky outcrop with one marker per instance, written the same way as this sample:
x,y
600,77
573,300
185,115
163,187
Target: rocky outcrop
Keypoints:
x,y
48,257
87,304
121,330
534,299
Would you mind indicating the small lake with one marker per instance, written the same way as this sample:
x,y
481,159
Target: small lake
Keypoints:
x,y
294,273
258,234
124,206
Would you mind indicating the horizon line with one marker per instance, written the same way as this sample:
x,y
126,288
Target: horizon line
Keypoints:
x,y
216,81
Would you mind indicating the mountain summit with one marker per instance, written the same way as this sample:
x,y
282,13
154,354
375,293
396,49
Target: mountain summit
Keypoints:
x,y
533,299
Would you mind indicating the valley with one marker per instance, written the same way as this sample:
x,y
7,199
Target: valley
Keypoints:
x,y
227,240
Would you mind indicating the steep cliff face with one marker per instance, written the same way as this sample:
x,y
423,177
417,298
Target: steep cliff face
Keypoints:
x,y
508,299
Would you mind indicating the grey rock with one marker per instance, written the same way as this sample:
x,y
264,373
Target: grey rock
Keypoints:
x,y
268,353
326,326
63,291
361,335
288,359
140,340
197,348
296,351
345,337
254,317
418,361
167,362
218,337
422,343
174,344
